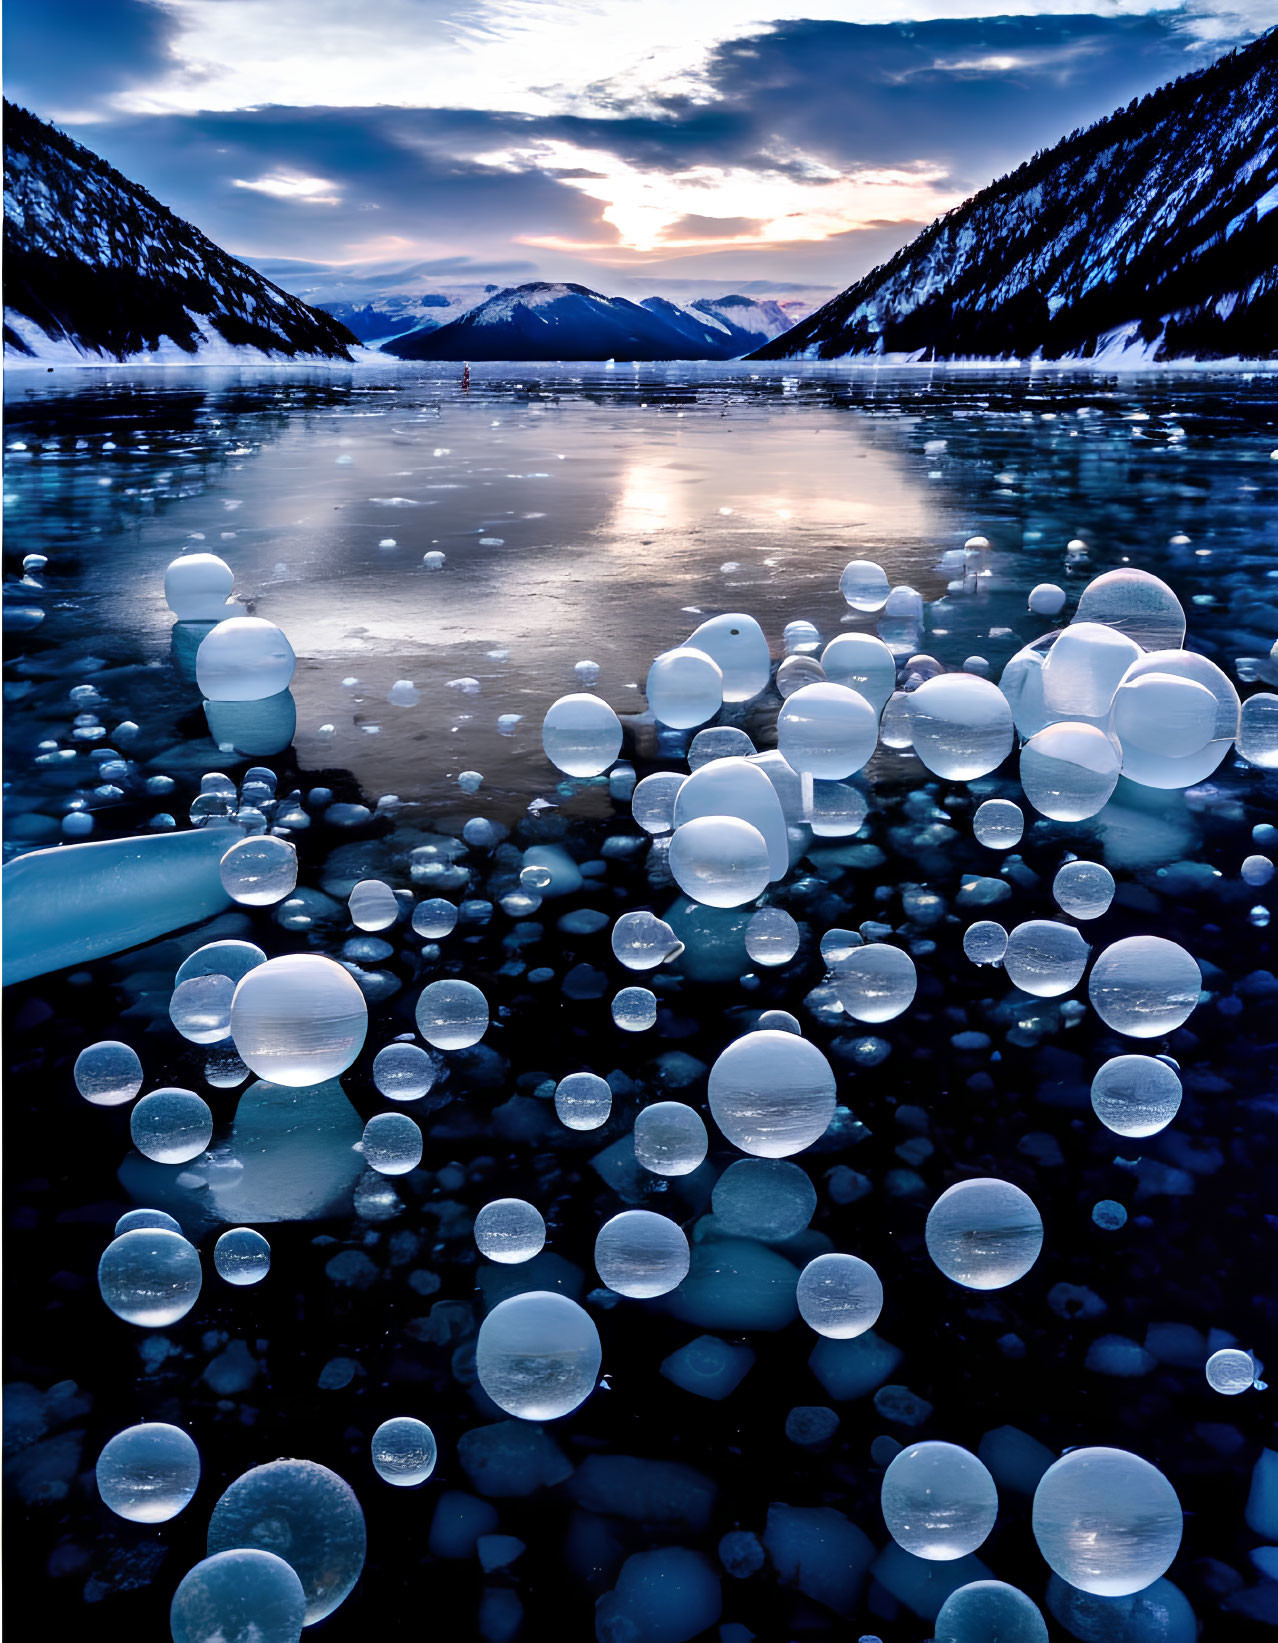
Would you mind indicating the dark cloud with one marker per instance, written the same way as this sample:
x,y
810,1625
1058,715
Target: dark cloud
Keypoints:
x,y
693,227
76,53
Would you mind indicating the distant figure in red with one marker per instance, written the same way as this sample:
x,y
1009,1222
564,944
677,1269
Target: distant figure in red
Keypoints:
x,y
466,377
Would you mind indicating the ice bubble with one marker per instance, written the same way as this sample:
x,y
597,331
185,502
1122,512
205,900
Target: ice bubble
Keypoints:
x,y
583,1101
719,742
433,560
641,1254
403,1451
1181,765
259,871
509,1230
1045,958
535,878
108,1073
373,905
771,937
800,636
220,958
642,941
864,585
1083,669
763,1198
876,982
862,663
985,942
839,1296
1144,986
197,586
634,1009
1257,870
241,1596
309,1516
1069,771
734,786
581,735
1231,1371
827,731
1163,714
1046,599
1137,604
939,1502
392,1143
404,1072
998,824
1258,730
434,918
1108,1215
148,1473
452,1015
987,1611
1022,684
242,1256
586,671
737,644
1083,889
984,1233
1106,1521
684,688
772,1094
960,725
538,1355
670,1139
720,861
150,1277
171,1126
244,659
1135,1095
797,671
838,810
298,1020
894,723
134,1220
652,802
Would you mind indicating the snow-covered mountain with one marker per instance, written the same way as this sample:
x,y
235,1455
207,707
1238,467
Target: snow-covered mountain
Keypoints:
x,y
384,317
1150,236
96,269
563,321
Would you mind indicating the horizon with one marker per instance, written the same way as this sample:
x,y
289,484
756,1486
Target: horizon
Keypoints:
x,y
538,140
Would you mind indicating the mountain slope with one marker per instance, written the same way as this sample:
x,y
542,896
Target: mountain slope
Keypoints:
x,y
95,268
382,318
1149,236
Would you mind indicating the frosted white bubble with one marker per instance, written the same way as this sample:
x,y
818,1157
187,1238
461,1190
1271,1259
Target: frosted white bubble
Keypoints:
x,y
1106,1521
717,742
1258,730
509,1230
960,725
403,1451
1183,765
864,585
108,1073
583,1101
839,1296
862,663
452,1015
150,1277
670,1138
298,1020
1069,771
1163,714
998,824
1083,669
642,941
939,1501
197,586
684,688
404,1072
1138,604
148,1473
1083,889
581,735
171,1126
894,724
737,644
1231,1371
259,871
634,1009
764,1198
1046,599
641,1254
1144,986
392,1143
734,786
987,1611
1045,958
1135,1095
240,1596
984,1233
771,1093
1257,870
652,802
720,861
876,982
538,1355
373,905
838,810
133,1219
200,1008
771,936
827,730
242,1257
434,919
221,958
244,659
985,942
797,671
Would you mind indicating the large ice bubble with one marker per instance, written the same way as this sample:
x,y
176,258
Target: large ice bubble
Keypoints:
x,y
876,983
684,688
763,1198
670,1138
1069,770
641,1254
1082,671
735,787
987,1611
298,1020
1149,758
1106,1521
108,1073
939,1502
240,1596
961,726
1136,603
197,586
150,1277
840,1296
827,731
737,644
452,1014
862,663
538,1355
1045,958
581,735
864,585
148,1473
1135,1095
984,1233
772,1093
720,861
1144,986
244,659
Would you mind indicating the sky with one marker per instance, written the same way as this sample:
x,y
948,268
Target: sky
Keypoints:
x,y
675,147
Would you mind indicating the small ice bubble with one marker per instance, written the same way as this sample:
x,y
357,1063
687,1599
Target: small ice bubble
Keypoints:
x,y
197,587
864,585
876,982
984,1233
634,1009
1083,889
641,1254
652,802
373,905
839,1296
435,918
684,688
720,861
403,693
507,722
1257,870
150,1277
452,1015
244,659
392,1143
200,1008
985,942
1231,1371
1136,1095
939,1502
259,871
772,1094
404,1072
771,936
1045,958
1109,1215
171,1126
586,672
960,725
670,1139
538,1355
583,1101
242,1256
108,1073
148,1473
581,735
434,560
1047,599
510,1231
403,1451
470,781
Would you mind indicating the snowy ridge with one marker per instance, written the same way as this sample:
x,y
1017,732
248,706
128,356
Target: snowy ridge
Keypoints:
x,y
1148,237
96,270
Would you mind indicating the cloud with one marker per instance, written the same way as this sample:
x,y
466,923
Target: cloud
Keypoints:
x,y
291,186
77,54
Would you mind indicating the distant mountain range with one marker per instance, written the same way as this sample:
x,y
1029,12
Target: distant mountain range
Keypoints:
x,y
544,321
96,269
1150,236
